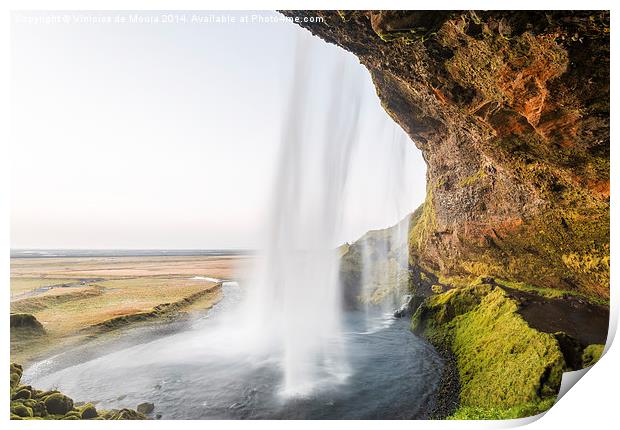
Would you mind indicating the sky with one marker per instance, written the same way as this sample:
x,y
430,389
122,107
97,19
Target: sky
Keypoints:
x,y
167,135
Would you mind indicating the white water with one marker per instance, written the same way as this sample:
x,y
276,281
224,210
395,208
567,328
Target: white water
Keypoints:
x,y
294,301
293,305
385,253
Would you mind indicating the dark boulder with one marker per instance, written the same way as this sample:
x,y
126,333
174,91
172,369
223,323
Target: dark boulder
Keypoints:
x,y
58,404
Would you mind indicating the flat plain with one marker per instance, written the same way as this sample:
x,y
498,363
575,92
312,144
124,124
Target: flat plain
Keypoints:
x,y
76,299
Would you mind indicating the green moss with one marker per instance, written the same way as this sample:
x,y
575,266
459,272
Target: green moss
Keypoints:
x,y
471,180
482,63
73,413
557,250
437,289
16,375
592,354
21,410
481,268
506,368
29,403
125,414
551,293
586,263
456,281
88,411
22,394
58,403
423,223
525,410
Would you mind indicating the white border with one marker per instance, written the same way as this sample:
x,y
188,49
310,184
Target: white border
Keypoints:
x,y
591,404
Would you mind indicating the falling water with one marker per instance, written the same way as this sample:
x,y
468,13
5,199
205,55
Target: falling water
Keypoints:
x,y
384,253
295,300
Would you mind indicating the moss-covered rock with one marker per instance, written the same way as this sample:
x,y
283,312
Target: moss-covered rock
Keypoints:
x,y
591,354
21,394
124,414
88,411
73,413
16,375
58,404
21,410
39,409
507,369
30,403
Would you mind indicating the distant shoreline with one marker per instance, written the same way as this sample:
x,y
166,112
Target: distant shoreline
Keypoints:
x,y
69,253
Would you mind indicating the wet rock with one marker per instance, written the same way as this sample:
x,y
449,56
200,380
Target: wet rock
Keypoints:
x,y
88,412
145,408
404,308
58,404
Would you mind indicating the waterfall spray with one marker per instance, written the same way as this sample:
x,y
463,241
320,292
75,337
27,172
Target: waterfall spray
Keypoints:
x,y
295,300
384,253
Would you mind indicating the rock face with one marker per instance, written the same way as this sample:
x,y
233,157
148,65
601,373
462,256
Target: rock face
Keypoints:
x,y
374,270
511,113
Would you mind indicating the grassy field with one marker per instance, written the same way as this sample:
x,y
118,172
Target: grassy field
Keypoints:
x,y
79,298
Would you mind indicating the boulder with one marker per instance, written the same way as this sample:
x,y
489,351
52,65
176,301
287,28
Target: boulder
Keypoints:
x,y
88,412
21,410
145,408
21,394
58,404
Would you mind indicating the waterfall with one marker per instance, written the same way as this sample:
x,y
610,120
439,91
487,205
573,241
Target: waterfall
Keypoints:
x,y
293,309
294,301
385,253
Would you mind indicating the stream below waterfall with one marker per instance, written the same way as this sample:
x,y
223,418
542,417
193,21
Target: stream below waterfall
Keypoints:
x,y
200,372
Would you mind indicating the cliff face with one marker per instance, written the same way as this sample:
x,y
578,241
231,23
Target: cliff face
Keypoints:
x,y
511,113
